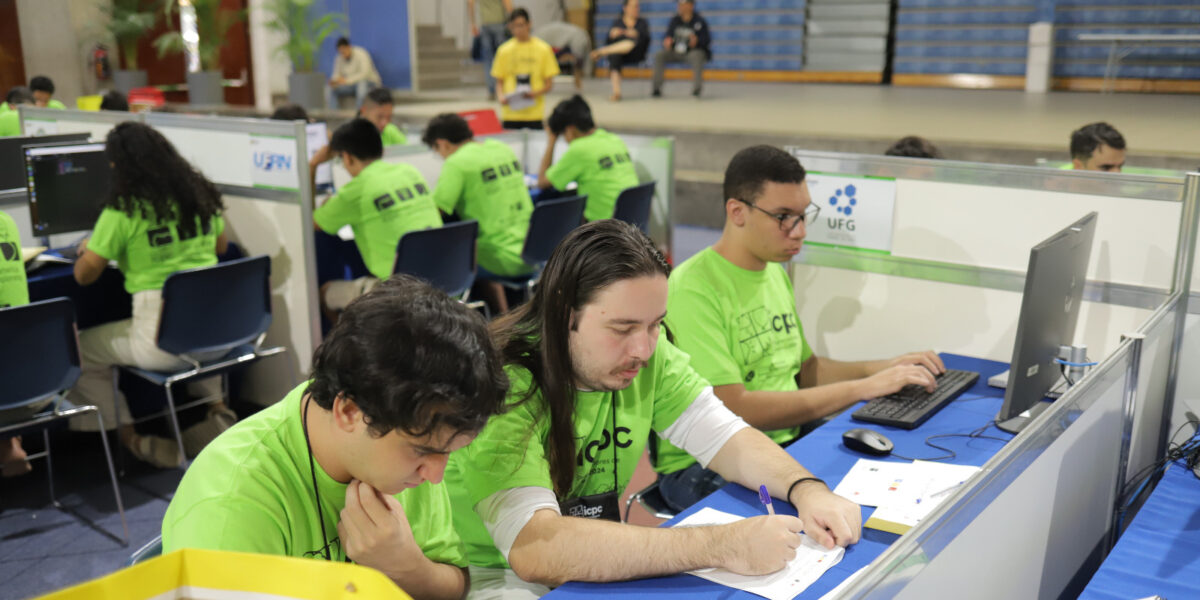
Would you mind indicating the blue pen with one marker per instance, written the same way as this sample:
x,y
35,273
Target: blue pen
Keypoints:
x,y
766,499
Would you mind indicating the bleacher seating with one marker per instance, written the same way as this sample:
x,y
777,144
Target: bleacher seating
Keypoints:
x,y
1165,60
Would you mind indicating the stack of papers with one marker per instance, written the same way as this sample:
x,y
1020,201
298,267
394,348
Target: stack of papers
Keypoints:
x,y
812,560
904,493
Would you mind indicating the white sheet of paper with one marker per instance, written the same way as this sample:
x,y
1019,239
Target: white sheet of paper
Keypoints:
x,y
517,100
872,482
812,560
928,485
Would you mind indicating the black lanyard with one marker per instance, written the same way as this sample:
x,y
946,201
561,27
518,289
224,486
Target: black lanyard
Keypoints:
x,y
616,486
312,469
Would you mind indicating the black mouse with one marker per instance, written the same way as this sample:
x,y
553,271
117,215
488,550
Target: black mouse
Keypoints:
x,y
867,441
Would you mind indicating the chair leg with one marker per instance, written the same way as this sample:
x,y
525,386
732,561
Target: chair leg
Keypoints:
x,y
175,423
50,468
112,474
116,389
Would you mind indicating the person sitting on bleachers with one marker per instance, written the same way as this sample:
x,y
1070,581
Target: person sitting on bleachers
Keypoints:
x,y
1097,147
732,309
381,203
626,44
14,291
913,146
348,466
378,108
161,216
687,40
595,159
483,181
571,45
10,117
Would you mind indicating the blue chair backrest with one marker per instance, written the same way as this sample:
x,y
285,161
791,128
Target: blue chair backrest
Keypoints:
x,y
216,308
443,256
550,222
633,206
39,352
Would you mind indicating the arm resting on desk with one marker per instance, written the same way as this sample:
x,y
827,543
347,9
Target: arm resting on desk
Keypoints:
x,y
752,459
821,371
769,410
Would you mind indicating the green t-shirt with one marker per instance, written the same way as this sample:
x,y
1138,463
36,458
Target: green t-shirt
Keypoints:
x,y
511,450
147,250
56,104
738,326
14,290
484,181
10,123
251,490
392,136
382,203
600,164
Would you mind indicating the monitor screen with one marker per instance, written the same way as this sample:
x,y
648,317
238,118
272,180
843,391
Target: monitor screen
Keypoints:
x,y
318,137
12,160
1049,310
66,186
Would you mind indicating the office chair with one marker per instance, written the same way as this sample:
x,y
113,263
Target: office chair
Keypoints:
x,y
633,206
550,222
214,319
39,359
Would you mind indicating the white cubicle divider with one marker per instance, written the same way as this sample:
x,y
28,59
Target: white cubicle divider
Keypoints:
x,y
1186,406
1042,513
258,164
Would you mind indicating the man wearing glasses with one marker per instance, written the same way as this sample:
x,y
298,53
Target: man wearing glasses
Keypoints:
x,y
732,308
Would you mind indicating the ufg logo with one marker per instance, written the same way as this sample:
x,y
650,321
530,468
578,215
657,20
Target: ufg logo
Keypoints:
x,y
843,201
272,161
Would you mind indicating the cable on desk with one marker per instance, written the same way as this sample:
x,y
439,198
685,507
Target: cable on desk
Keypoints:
x,y
976,435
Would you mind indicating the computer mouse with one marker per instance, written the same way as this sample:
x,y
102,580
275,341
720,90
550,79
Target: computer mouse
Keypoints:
x,y
867,441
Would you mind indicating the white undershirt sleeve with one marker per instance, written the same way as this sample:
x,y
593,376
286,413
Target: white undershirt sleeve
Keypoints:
x,y
506,512
704,427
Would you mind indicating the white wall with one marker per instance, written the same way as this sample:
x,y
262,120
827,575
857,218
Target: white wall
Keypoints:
x,y
271,68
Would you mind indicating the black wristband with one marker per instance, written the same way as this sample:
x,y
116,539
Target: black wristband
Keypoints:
x,y
800,481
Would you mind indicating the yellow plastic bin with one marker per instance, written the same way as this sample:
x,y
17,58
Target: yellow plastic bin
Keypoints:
x,y
213,575
88,102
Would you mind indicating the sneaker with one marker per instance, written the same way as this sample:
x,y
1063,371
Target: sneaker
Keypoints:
x,y
160,452
656,93
196,437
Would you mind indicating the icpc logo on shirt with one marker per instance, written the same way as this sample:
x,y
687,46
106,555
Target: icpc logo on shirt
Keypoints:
x,y
844,201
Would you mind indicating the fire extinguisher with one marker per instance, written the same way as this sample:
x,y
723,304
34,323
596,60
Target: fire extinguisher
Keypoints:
x,y
100,63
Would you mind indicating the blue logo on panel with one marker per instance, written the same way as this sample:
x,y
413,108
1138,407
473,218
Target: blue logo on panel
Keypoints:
x,y
271,161
844,200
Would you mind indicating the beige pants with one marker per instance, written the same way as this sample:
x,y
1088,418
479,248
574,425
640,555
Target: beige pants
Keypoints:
x,y
128,342
502,584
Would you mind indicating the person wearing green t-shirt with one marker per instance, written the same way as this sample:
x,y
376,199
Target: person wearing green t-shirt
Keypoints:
x,y
595,159
1097,147
161,216
381,203
732,309
377,108
592,376
43,92
10,117
524,68
14,291
483,181
349,465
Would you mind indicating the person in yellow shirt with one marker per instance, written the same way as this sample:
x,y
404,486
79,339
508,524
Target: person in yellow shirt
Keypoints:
x,y
524,69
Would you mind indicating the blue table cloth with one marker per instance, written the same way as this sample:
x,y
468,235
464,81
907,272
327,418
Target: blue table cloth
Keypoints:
x,y
1159,553
822,452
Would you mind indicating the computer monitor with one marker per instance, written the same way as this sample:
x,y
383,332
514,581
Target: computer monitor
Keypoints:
x,y
317,137
1049,311
12,158
66,185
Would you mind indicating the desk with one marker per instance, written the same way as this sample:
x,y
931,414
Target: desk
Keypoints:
x,y
1160,551
1131,41
822,453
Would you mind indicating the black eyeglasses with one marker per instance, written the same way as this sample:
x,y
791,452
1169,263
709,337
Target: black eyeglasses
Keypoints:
x,y
788,221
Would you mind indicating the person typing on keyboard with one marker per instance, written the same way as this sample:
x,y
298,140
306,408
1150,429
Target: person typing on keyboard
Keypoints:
x,y
733,309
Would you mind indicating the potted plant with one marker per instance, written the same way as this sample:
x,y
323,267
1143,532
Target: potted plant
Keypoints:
x,y
305,34
128,21
211,23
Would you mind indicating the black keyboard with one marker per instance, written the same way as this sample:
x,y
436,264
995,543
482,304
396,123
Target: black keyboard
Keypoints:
x,y
912,405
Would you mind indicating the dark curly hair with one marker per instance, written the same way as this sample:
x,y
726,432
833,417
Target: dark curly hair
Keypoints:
x,y
412,359
151,178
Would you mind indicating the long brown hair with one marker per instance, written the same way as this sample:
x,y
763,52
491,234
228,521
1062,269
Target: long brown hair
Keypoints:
x,y
535,336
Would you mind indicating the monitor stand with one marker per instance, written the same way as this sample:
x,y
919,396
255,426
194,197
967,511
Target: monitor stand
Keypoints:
x,y
1017,423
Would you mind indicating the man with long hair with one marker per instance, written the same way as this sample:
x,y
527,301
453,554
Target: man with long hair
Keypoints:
x,y
592,376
